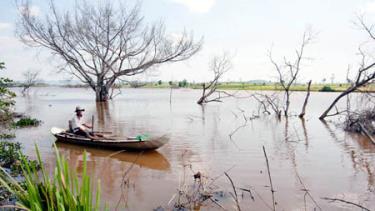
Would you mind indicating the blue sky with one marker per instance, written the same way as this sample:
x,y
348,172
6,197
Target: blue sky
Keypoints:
x,y
245,28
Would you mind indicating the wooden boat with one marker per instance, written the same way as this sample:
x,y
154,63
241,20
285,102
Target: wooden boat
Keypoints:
x,y
131,144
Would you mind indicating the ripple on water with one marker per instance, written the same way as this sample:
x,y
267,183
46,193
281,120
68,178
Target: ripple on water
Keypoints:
x,y
329,161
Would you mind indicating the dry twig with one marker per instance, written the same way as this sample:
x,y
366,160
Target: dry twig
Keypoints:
x,y
307,191
347,202
269,176
123,181
235,192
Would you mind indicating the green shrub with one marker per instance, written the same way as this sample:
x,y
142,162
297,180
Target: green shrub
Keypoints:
x,y
11,157
7,135
6,97
59,192
183,83
326,89
26,121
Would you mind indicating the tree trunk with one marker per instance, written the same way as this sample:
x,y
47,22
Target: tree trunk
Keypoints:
x,y
203,98
306,100
287,103
102,94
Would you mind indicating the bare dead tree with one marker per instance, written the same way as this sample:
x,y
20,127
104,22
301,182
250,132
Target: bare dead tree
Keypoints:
x,y
268,101
302,114
31,78
262,103
288,70
365,73
274,103
219,65
114,87
104,42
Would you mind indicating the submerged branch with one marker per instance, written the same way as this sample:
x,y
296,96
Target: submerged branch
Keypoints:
x,y
347,202
234,190
269,176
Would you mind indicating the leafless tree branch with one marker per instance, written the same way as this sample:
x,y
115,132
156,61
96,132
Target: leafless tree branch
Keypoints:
x,y
302,114
288,70
347,202
104,42
219,65
365,73
31,77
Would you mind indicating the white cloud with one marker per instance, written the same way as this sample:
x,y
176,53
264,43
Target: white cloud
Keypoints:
x,y
5,26
200,6
33,10
18,58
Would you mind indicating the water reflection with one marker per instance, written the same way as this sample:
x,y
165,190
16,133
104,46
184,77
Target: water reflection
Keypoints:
x,y
361,161
151,160
103,113
305,135
104,118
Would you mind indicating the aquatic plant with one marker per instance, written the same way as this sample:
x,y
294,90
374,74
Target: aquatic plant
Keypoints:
x,y
62,191
26,121
7,135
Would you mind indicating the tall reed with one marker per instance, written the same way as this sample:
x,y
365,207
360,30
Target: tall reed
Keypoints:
x,y
62,191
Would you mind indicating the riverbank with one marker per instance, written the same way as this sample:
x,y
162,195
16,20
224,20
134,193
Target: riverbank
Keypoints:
x,y
260,87
336,87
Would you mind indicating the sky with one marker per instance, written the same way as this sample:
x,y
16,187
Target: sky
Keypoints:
x,y
246,29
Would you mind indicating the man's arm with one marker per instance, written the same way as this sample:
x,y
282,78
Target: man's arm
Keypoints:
x,y
87,125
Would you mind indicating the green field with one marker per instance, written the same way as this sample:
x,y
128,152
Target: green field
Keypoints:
x,y
242,86
277,87
260,87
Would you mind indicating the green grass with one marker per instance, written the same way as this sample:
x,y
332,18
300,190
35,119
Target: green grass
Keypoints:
x,y
276,87
61,191
258,87
26,122
336,87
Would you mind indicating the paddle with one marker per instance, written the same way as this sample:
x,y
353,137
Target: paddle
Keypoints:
x,y
92,124
141,137
107,132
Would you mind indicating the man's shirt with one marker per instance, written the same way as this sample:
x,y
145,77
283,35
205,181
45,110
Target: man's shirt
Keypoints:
x,y
77,122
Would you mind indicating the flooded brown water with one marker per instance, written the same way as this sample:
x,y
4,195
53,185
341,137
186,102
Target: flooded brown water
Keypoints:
x,y
320,156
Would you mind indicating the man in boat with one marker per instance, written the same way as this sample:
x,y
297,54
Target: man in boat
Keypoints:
x,y
79,127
